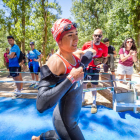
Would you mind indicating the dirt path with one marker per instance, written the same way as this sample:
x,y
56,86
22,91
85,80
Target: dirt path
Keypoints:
x,y
102,98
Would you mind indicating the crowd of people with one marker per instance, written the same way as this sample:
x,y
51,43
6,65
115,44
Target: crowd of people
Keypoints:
x,y
104,58
61,77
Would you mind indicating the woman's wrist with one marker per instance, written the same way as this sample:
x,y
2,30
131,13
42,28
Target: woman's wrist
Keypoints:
x,y
70,77
128,55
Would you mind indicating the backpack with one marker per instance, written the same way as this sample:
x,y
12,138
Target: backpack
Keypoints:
x,y
20,57
97,61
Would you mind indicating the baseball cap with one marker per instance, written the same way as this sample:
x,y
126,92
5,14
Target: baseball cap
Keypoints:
x,y
31,43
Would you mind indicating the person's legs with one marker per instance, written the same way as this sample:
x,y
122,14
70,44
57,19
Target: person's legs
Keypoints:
x,y
121,70
83,94
128,78
7,66
33,76
94,93
113,72
21,84
105,67
17,78
37,78
121,77
14,72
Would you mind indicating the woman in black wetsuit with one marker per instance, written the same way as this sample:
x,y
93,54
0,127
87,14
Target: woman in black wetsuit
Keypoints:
x,y
61,83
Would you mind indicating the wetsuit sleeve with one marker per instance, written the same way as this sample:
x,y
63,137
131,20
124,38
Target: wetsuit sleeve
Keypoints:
x,y
48,96
49,93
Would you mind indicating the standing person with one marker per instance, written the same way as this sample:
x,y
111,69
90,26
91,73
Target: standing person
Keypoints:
x,y
40,62
93,67
61,84
50,54
6,60
14,66
24,63
128,55
34,57
111,57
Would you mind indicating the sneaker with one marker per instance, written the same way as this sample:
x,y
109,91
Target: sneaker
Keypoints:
x,y
93,109
84,103
16,90
15,96
8,76
32,85
36,86
13,85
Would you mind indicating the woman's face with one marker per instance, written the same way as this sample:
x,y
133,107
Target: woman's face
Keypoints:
x,y
129,44
69,41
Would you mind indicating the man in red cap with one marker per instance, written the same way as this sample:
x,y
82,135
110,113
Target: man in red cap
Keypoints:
x,y
61,83
94,66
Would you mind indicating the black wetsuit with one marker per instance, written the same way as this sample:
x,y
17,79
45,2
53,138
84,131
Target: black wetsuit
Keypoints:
x,y
58,89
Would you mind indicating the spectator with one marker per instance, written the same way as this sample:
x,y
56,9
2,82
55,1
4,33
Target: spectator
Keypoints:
x,y
101,57
128,55
34,57
14,66
50,54
6,60
24,63
111,57
40,63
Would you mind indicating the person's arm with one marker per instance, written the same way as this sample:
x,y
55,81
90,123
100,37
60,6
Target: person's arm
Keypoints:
x,y
115,53
104,56
47,97
12,55
80,53
134,56
124,58
104,60
39,58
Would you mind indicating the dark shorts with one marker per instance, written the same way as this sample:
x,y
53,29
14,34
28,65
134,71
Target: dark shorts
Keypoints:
x,y
92,77
31,70
14,71
106,67
7,65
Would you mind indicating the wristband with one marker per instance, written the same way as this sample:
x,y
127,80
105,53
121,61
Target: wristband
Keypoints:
x,y
70,77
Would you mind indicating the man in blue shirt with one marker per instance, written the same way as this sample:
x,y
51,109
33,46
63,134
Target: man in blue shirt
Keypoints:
x,y
34,57
14,66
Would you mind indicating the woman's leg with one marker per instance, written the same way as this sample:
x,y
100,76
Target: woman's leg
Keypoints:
x,y
121,77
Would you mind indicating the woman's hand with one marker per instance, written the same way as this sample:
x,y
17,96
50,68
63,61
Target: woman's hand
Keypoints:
x,y
134,53
36,60
77,74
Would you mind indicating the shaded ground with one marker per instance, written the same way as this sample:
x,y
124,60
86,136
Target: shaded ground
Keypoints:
x,y
103,98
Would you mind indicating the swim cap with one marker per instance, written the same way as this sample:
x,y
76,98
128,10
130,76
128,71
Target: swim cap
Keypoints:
x,y
62,27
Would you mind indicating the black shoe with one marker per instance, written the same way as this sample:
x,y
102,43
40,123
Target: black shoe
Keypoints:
x,y
8,76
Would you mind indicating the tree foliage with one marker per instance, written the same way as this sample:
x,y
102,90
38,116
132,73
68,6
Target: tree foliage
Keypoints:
x,y
118,19
30,20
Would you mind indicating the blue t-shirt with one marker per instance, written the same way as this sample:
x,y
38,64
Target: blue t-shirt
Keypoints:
x,y
33,55
13,62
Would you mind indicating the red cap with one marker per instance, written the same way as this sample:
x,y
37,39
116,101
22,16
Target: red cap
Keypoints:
x,y
58,27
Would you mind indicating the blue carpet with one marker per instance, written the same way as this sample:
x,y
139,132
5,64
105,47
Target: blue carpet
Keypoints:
x,y
19,120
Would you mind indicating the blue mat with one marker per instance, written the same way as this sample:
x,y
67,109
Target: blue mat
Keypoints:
x,y
19,120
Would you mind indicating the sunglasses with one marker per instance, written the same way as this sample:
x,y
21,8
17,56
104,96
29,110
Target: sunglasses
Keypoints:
x,y
129,41
69,26
97,36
